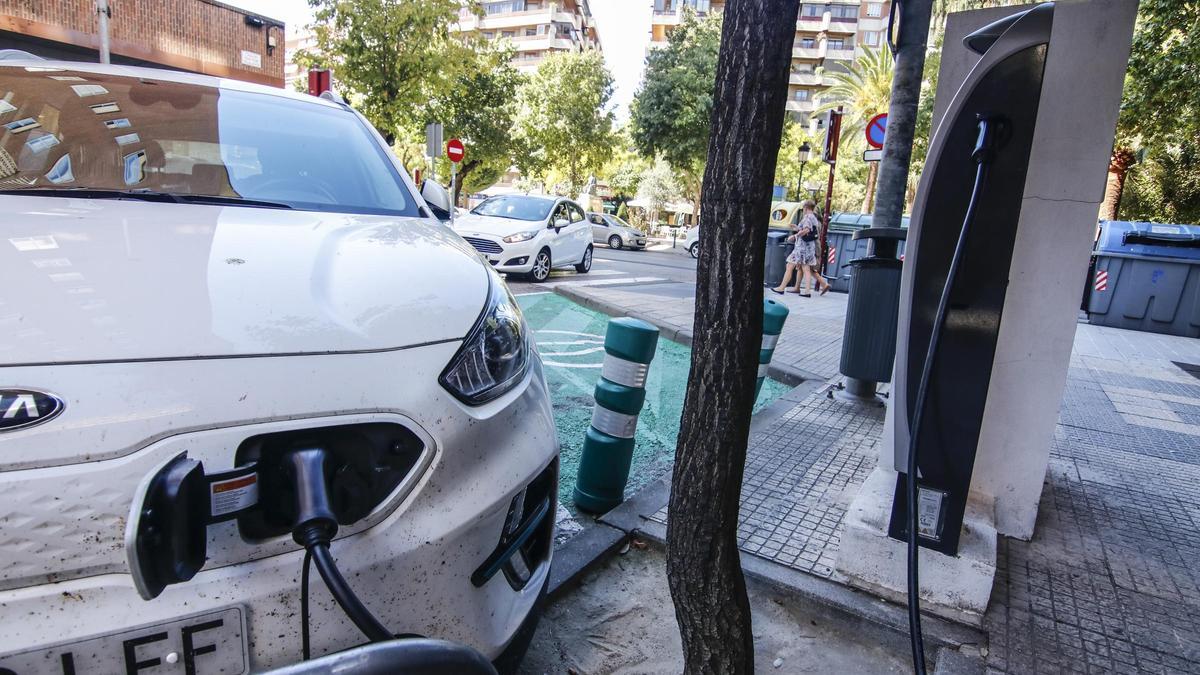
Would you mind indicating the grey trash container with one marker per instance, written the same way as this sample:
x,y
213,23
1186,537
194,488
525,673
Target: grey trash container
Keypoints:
x,y
869,336
775,263
843,247
1147,277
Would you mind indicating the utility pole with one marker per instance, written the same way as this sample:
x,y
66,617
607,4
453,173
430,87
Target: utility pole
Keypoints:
x,y
104,14
909,50
833,141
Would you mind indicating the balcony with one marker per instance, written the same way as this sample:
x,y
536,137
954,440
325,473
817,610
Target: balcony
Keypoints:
x,y
842,26
844,54
806,80
812,24
664,17
810,53
801,106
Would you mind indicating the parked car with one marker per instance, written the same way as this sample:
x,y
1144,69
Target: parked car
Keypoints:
x,y
213,283
692,241
529,235
618,234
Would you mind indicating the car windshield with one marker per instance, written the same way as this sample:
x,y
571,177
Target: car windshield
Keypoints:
x,y
114,136
620,222
517,207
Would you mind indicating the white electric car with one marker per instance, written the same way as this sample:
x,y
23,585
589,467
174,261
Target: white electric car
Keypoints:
x,y
529,235
201,278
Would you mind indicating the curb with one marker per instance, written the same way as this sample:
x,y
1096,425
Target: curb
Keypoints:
x,y
784,373
856,610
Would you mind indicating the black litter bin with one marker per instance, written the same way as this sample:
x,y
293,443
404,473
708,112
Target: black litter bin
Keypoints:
x,y
869,337
775,263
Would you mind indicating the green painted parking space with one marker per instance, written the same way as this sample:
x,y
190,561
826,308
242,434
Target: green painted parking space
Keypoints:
x,y
570,339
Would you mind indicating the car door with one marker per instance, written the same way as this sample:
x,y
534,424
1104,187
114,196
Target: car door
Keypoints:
x,y
580,233
559,239
599,227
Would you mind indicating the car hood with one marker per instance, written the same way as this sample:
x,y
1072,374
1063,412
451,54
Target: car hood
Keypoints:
x,y
474,225
89,280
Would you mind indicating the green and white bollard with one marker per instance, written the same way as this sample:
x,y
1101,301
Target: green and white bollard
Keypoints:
x,y
774,315
629,347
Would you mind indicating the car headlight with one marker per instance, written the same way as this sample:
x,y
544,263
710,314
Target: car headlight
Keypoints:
x,y
519,237
494,356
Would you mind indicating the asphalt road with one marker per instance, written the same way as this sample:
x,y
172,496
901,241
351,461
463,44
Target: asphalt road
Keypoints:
x,y
611,267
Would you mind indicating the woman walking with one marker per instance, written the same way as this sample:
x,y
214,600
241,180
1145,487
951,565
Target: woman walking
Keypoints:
x,y
803,258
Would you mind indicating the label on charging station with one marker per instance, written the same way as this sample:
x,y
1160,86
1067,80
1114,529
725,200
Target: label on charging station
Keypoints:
x,y
929,513
232,492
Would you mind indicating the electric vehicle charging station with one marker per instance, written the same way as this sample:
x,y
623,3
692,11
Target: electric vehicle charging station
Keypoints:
x,y
997,253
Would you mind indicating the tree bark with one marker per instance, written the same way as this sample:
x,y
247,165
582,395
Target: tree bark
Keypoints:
x,y
892,179
703,566
872,176
1118,168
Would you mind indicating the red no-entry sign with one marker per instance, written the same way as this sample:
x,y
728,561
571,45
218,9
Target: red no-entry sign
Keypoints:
x,y
455,150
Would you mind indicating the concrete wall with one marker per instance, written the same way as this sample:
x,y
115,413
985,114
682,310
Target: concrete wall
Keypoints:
x,y
1081,95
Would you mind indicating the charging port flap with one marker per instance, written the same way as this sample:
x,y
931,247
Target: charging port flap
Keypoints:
x,y
170,537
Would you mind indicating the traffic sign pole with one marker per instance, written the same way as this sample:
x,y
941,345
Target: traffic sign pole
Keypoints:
x,y
455,152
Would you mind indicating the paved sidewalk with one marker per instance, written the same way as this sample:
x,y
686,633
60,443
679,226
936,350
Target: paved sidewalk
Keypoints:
x,y
1111,580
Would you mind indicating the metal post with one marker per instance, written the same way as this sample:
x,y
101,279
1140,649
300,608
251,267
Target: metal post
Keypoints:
x,y
800,183
103,13
835,124
629,346
774,315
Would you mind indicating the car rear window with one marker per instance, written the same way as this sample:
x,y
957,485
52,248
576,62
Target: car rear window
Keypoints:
x,y
66,129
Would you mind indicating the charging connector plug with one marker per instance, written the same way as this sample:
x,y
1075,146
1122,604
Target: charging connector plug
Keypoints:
x,y
315,521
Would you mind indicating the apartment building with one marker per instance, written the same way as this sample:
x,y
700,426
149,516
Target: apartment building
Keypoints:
x,y
536,28
828,37
201,36
293,75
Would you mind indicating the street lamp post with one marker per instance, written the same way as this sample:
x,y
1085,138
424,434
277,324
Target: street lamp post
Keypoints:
x,y
802,153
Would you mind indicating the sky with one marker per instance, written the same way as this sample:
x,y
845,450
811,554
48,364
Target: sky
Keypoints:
x,y
624,27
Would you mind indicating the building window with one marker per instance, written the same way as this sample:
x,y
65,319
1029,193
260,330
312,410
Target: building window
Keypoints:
x,y
508,33
871,38
531,31
808,43
836,43
811,11
874,9
488,35
504,7
803,94
843,12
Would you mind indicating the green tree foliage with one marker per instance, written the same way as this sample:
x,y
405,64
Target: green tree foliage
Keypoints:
x,y
562,123
787,166
864,89
390,57
480,108
671,114
1160,115
1162,86
658,188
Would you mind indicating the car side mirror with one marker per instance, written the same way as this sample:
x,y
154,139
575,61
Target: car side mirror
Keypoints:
x,y
559,223
437,198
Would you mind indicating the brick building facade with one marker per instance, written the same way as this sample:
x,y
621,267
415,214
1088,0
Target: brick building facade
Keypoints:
x,y
201,36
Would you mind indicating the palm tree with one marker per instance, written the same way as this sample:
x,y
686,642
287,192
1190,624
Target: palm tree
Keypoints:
x,y
864,90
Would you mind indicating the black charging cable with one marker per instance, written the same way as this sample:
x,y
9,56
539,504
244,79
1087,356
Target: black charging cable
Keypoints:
x,y
986,144
315,527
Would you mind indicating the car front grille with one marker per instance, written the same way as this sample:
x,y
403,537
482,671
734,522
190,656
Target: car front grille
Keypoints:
x,y
484,245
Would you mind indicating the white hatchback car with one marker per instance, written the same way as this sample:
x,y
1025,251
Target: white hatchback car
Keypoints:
x,y
529,235
233,333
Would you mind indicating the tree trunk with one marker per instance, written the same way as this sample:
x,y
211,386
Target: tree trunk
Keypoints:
x,y
1118,168
872,175
703,566
463,171
892,178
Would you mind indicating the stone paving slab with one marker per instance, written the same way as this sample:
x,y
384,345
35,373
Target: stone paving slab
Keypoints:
x,y
1110,581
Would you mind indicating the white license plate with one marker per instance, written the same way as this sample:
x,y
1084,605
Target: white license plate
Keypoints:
x,y
211,643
